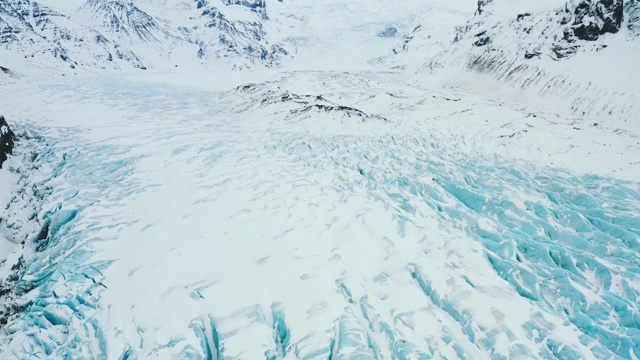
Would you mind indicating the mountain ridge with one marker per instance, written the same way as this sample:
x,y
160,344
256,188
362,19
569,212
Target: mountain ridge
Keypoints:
x,y
117,35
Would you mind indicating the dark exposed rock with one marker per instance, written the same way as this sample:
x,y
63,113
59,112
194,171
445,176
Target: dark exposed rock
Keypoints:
x,y
339,109
481,5
530,54
596,17
569,35
563,50
612,13
589,31
6,140
520,17
253,4
483,39
632,9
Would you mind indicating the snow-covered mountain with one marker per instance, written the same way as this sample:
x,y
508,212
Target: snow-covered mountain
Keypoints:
x,y
33,35
265,179
94,35
578,56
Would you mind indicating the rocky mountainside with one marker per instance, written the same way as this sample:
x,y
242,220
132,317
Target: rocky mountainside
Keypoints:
x,y
222,36
548,54
121,35
33,35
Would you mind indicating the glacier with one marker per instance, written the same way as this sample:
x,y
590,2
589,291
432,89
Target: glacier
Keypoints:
x,y
219,238
400,200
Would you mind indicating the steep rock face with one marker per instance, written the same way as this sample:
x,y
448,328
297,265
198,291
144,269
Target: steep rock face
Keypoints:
x,y
481,5
6,140
596,17
632,10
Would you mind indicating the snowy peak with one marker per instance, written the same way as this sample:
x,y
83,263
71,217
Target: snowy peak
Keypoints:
x,y
156,42
124,19
23,21
258,6
236,30
47,39
118,34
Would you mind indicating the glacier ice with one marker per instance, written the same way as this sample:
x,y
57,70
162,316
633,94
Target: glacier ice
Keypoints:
x,y
197,237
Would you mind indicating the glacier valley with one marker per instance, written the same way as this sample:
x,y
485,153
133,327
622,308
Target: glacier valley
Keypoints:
x,y
369,207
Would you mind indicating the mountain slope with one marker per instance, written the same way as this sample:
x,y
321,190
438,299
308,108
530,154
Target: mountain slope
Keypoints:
x,y
37,36
118,35
539,53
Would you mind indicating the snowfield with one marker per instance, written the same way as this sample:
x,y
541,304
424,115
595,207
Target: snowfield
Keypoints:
x,y
325,210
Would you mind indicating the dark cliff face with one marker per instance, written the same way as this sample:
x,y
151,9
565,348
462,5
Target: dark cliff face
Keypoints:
x,y
596,17
481,6
632,10
6,140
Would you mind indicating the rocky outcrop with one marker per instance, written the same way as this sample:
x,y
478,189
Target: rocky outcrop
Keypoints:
x,y
596,17
6,140
632,9
481,5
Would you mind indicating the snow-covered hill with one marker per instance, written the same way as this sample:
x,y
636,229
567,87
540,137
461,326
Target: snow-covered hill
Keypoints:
x,y
320,180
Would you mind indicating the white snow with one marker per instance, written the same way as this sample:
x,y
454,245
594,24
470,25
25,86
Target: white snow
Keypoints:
x,y
347,205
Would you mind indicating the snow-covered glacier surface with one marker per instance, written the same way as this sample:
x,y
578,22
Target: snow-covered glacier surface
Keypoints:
x,y
182,224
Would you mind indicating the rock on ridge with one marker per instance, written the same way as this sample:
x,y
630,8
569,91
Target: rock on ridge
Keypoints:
x,y
6,140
